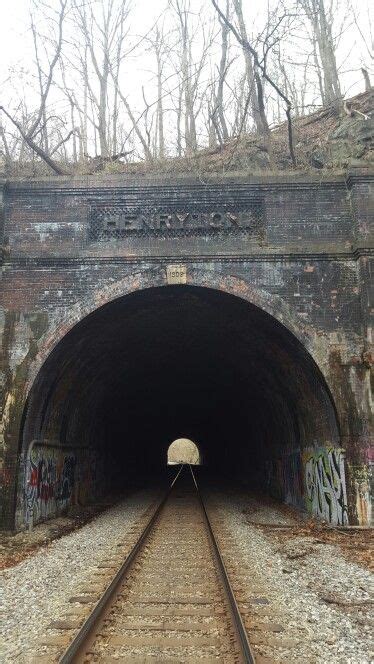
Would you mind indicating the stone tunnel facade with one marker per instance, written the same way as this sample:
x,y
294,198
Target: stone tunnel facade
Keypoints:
x,y
269,277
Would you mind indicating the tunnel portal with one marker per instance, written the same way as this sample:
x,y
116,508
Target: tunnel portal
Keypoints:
x,y
228,308
163,363
183,451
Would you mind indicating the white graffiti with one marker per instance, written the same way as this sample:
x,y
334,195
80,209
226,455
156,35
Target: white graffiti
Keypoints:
x,y
325,485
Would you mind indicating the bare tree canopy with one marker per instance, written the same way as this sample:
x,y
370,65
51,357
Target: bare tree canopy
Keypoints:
x,y
103,81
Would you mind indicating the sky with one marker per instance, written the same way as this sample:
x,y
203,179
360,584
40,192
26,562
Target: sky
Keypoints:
x,y
16,45
15,36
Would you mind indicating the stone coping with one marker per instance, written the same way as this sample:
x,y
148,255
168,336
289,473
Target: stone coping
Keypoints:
x,y
290,180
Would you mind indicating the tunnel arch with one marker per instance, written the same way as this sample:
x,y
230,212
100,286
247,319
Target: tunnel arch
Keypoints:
x,y
74,404
183,450
271,303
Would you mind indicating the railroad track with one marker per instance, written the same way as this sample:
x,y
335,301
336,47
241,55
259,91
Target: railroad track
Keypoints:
x,y
171,600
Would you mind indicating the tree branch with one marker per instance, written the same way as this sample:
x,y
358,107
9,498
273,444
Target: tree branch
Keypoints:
x,y
248,47
73,131
38,150
44,94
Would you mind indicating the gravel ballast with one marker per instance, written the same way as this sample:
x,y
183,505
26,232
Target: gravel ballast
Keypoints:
x,y
37,590
308,602
320,602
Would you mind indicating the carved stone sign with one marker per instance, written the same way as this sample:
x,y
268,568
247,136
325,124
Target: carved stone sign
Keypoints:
x,y
117,220
176,274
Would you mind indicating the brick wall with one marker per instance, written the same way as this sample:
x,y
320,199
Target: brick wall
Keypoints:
x,y
309,249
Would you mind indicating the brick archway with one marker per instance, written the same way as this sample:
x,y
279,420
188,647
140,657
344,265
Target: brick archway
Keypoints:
x,y
157,277
143,284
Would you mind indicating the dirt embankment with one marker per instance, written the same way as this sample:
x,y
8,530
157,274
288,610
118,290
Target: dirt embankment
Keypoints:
x,y
330,139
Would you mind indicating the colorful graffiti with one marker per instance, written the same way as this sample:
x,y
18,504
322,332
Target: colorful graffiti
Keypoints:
x,y
56,479
314,478
50,482
325,488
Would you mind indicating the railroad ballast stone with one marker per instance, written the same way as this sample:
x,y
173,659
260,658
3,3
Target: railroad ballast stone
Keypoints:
x,y
39,589
313,630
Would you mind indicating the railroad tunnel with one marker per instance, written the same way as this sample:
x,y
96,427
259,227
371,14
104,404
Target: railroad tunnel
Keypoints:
x,y
175,362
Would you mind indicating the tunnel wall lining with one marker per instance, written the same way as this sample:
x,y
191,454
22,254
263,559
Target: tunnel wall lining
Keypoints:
x,y
56,477
312,478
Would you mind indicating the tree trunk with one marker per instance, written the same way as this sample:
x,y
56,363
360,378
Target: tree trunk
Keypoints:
x,y
160,110
322,31
366,76
102,124
5,142
222,73
249,68
74,135
85,107
179,120
147,152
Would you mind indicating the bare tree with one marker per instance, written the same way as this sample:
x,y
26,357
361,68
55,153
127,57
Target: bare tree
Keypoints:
x,y
255,91
104,36
260,67
203,89
367,39
217,110
158,47
296,88
182,10
5,142
31,135
135,124
189,69
367,80
321,22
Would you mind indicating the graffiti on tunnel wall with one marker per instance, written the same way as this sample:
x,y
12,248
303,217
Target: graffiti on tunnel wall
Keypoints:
x,y
325,488
57,478
50,482
312,479
364,484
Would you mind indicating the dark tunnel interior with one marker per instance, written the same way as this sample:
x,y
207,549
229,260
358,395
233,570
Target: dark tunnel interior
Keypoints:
x,y
180,361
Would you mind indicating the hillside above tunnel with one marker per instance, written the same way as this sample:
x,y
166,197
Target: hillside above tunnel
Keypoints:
x,y
328,139
331,139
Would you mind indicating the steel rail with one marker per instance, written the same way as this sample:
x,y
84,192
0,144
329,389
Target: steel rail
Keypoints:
x,y
247,652
89,624
85,631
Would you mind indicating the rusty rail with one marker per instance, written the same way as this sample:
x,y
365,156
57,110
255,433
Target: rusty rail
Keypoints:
x,y
237,621
74,650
